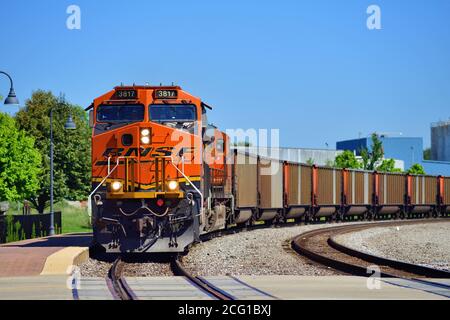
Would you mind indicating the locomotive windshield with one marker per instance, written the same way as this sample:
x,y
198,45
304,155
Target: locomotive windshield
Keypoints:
x,y
180,116
120,113
173,113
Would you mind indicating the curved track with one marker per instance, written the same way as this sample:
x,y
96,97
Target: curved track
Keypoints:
x,y
320,246
121,288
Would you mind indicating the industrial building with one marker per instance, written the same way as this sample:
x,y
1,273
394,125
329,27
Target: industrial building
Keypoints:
x,y
408,149
320,157
440,141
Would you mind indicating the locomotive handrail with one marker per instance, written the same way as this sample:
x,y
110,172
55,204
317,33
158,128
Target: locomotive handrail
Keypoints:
x,y
109,165
190,182
103,181
110,171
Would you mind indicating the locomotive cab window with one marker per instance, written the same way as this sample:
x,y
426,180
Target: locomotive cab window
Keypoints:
x,y
181,116
120,113
220,145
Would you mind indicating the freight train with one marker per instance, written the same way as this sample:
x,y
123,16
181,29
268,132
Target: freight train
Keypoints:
x,y
162,177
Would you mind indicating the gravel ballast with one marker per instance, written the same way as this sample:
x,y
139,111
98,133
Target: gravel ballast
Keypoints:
x,y
257,252
95,268
267,252
148,269
425,244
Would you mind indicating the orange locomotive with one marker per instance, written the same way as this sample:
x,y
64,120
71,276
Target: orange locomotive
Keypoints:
x,y
160,176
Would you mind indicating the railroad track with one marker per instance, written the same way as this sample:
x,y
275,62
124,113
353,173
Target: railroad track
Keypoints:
x,y
118,283
123,291
321,247
318,245
201,283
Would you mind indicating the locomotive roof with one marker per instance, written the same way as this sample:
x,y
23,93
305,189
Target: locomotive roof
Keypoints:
x,y
147,87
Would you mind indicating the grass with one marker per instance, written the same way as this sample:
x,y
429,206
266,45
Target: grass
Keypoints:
x,y
74,219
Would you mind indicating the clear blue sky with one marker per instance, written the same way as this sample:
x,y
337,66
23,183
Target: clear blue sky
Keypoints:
x,y
311,68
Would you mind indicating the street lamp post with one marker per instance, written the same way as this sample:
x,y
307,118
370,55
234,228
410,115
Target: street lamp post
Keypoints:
x,y
11,98
69,125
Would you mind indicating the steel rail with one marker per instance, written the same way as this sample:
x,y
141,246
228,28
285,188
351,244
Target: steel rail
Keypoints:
x,y
396,264
122,290
299,244
322,259
178,269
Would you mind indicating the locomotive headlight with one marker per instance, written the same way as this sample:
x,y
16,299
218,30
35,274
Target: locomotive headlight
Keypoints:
x,y
116,186
145,140
145,136
173,185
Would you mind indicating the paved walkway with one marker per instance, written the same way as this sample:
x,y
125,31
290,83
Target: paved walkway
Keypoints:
x,y
348,288
28,257
62,287
36,269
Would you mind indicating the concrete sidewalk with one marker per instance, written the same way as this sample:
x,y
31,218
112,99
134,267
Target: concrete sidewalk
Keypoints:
x,y
345,288
49,256
167,288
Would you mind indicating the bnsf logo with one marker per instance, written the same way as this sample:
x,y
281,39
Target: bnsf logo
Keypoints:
x,y
144,152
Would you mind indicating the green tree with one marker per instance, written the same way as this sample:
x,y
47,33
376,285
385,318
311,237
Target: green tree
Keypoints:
x,y
72,148
416,169
388,165
370,159
347,160
20,162
310,162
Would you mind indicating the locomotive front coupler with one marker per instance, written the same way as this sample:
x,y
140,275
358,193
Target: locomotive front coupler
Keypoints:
x,y
144,225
